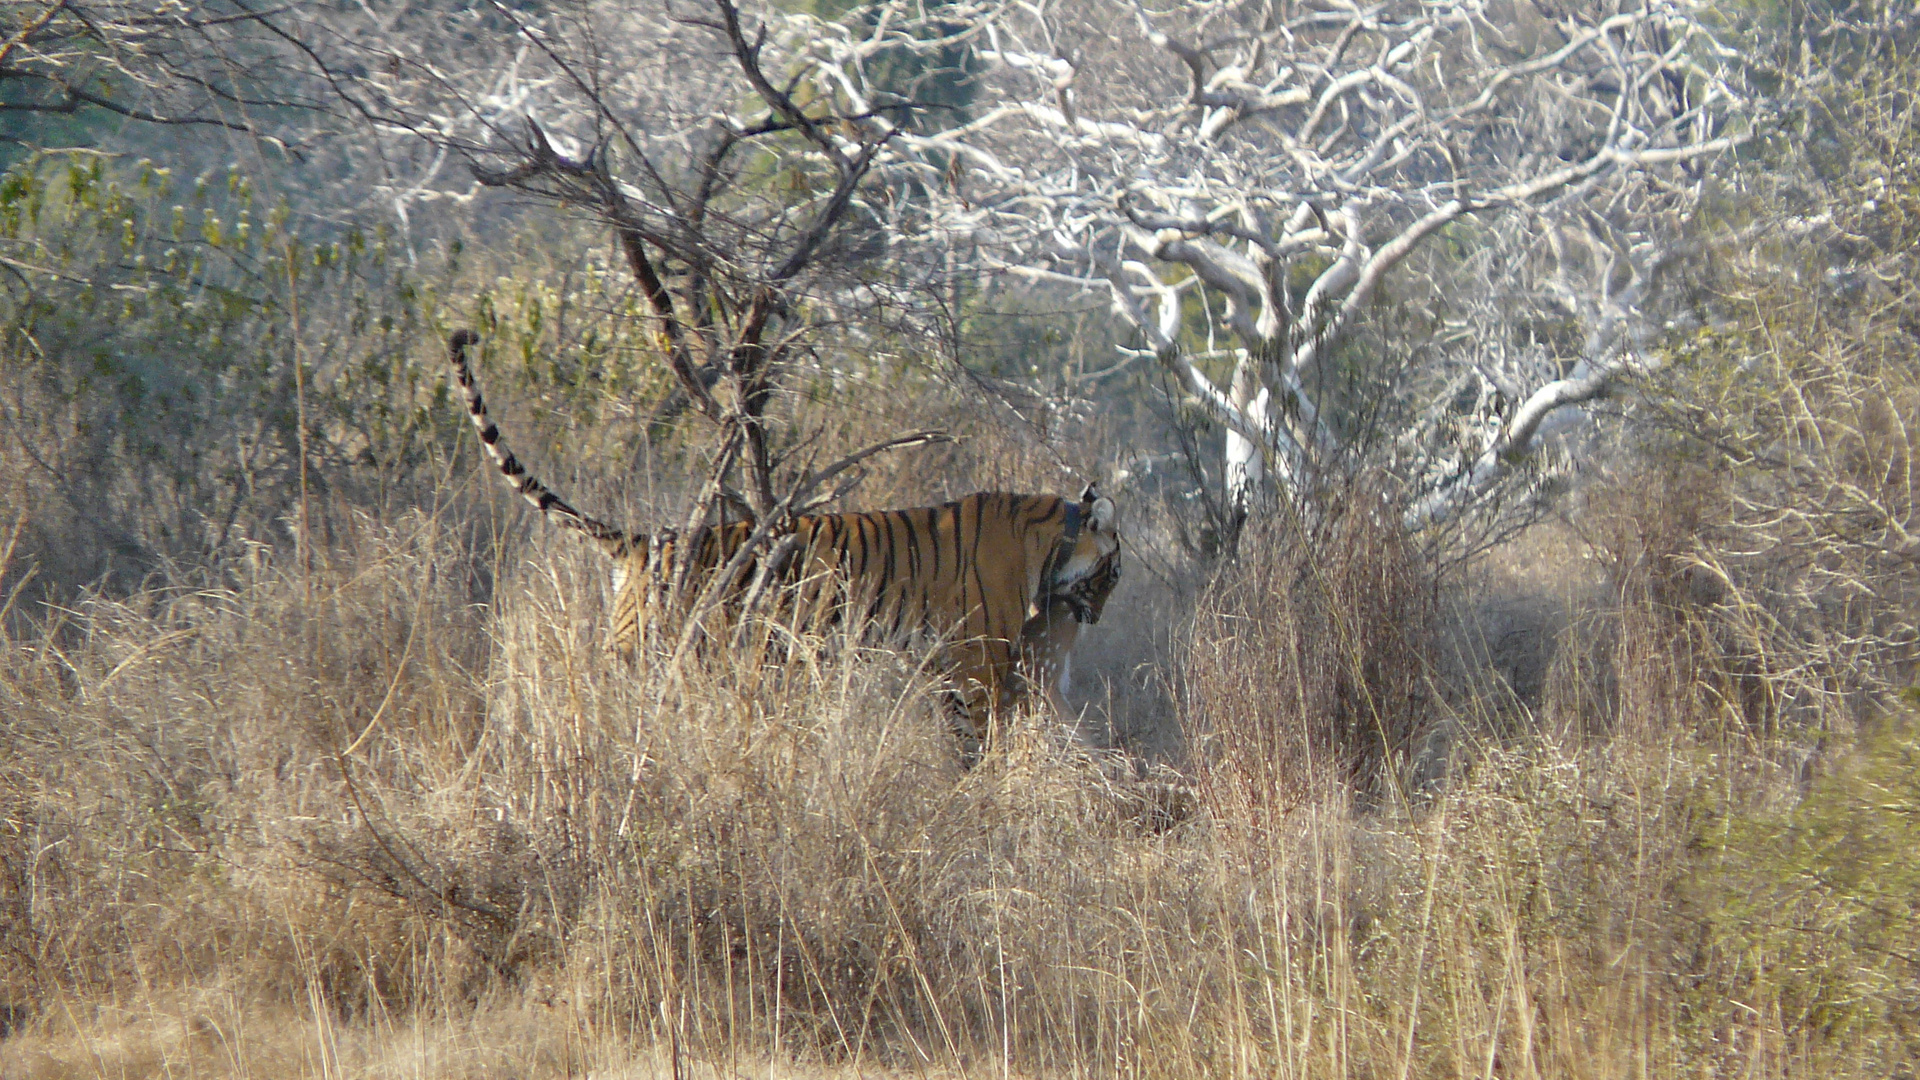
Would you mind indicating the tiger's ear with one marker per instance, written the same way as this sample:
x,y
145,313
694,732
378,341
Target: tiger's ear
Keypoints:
x,y
1099,509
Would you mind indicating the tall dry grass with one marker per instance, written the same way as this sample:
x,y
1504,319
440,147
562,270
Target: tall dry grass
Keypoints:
x,y
1311,657
353,822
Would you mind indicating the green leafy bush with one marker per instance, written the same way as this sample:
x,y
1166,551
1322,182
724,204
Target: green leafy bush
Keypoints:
x,y
1819,904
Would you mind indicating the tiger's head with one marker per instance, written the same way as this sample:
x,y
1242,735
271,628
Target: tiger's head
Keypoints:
x,y
1087,568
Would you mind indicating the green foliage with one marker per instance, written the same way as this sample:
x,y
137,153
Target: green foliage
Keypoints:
x,y
577,348
1817,903
164,340
158,337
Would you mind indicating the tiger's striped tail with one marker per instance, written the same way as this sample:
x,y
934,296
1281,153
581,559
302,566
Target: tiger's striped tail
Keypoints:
x,y
614,540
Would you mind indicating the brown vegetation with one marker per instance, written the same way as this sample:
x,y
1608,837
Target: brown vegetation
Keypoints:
x,y
314,760
346,821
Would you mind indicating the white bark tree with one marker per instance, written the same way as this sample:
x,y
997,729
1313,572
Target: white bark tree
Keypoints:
x,y
1243,178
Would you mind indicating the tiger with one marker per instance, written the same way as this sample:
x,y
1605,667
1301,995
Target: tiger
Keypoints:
x,y
1050,633
993,577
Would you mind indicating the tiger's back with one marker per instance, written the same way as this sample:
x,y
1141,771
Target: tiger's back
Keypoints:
x,y
965,576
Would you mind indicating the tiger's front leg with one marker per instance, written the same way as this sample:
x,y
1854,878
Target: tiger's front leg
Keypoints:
x,y
1046,653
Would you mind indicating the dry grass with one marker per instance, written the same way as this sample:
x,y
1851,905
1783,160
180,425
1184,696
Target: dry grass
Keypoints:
x,y
1634,801
1311,659
348,823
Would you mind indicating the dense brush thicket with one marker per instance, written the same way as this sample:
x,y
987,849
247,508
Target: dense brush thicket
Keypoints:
x,y
313,760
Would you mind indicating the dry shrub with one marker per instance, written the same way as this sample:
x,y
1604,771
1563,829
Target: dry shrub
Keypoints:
x,y
1647,658
1813,575
1800,399
162,746
348,821
1310,657
1765,584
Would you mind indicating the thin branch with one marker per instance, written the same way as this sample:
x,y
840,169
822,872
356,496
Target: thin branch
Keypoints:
x,y
32,27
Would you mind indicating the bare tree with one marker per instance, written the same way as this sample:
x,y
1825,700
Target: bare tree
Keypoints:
x,y
1244,181
742,200
209,65
1242,178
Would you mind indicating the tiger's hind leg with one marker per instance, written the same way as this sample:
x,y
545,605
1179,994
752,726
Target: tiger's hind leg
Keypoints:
x,y
1033,670
974,716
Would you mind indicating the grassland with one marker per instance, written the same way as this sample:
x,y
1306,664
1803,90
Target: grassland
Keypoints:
x,y
344,819
313,762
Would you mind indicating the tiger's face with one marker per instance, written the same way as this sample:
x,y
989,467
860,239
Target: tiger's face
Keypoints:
x,y
1084,579
1076,594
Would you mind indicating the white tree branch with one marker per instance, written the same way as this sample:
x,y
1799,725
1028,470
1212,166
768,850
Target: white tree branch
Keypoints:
x,y
1294,165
